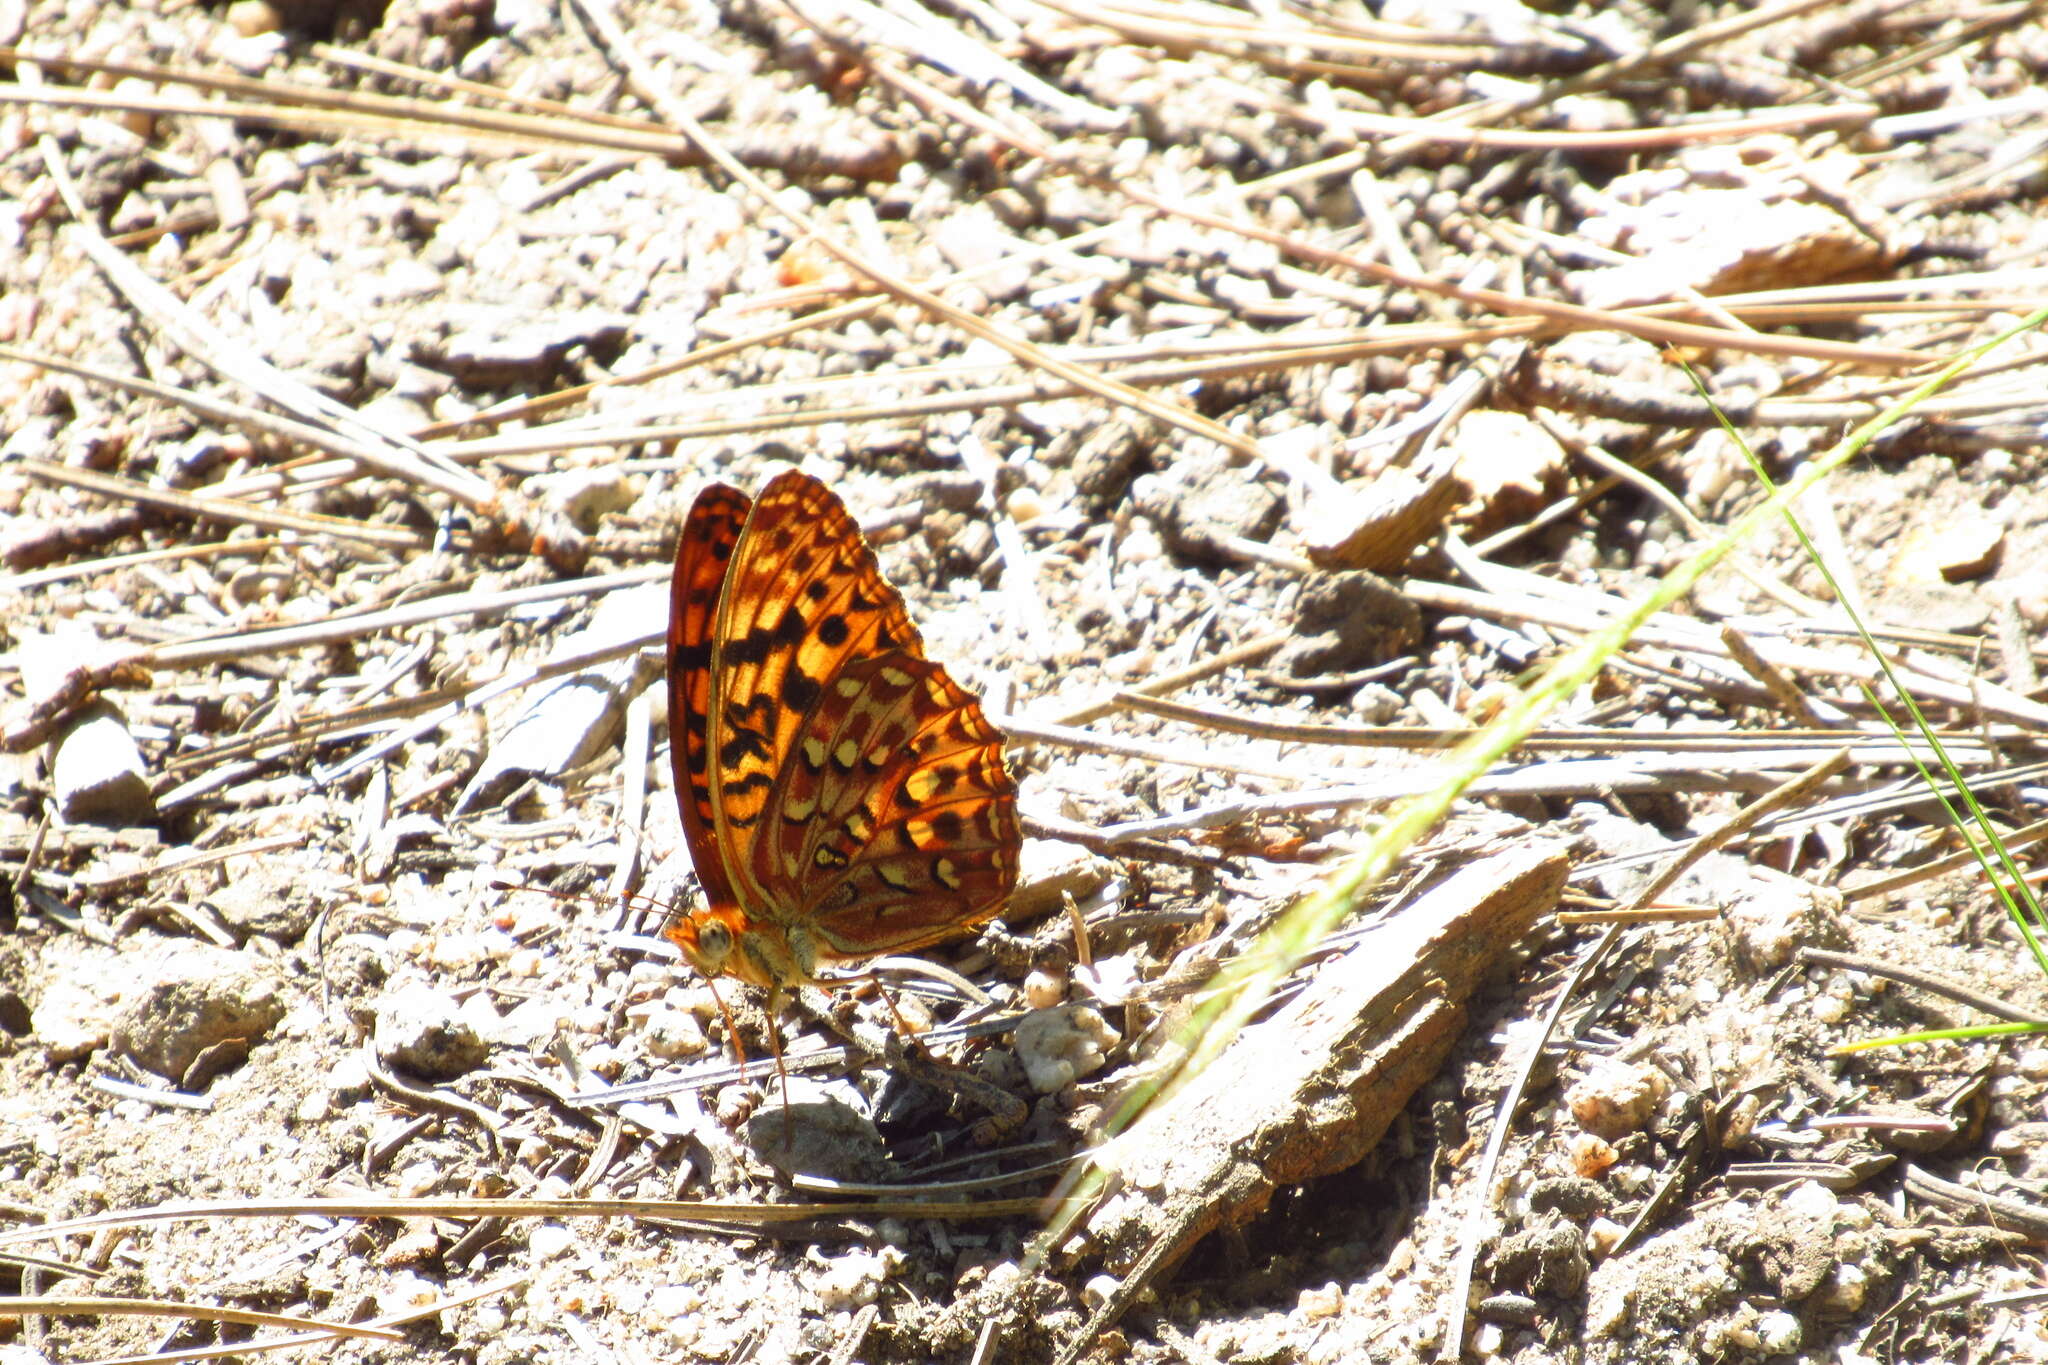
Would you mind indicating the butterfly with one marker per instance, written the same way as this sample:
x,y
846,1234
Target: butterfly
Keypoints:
x,y
842,796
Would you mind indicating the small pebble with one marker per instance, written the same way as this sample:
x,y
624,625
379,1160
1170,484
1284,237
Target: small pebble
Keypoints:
x,y
1616,1098
1043,990
549,1240
1096,1292
1321,1303
1603,1235
1590,1155
253,18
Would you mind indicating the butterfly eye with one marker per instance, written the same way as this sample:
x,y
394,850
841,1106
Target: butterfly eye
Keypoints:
x,y
714,941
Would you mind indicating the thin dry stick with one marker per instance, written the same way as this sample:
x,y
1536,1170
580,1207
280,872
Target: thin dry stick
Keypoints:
x,y
93,568
1789,694
203,341
1624,472
1038,390
1942,866
1744,820
599,15
561,544
1927,981
1542,316
1678,633
430,472
636,752
1652,58
824,320
1480,1192
220,509
488,1290
1550,778
1210,27
1083,741
81,1305
734,1212
122,882
560,129
1877,743
301,730
216,649
527,135
1811,118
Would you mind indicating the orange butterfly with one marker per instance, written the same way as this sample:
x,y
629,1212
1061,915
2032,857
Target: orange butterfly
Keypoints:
x,y
841,795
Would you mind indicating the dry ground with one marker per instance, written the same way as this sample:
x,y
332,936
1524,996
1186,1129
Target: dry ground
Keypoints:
x,y
258,937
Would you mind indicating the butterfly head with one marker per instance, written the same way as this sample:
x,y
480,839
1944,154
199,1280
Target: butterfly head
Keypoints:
x,y
708,939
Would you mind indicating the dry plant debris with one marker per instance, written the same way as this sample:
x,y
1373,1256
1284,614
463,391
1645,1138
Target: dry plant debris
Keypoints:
x,y
1245,397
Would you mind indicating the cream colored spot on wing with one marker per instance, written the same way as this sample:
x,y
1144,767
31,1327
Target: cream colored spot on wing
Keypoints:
x,y
948,873
847,754
896,677
814,752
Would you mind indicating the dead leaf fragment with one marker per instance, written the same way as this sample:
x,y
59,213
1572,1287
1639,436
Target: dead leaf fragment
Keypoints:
x,y
1377,526
1954,553
1512,465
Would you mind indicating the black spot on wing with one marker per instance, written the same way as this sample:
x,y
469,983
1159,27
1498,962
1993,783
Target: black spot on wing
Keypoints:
x,y
757,645
800,691
742,745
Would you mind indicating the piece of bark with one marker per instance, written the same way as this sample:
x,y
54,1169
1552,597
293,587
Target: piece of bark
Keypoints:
x,y
1513,467
1379,525
1311,1090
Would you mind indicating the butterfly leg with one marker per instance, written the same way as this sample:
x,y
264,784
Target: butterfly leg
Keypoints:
x,y
732,1028
781,1071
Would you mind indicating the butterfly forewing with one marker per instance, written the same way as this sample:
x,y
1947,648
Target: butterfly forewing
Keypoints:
x,y
805,599
703,555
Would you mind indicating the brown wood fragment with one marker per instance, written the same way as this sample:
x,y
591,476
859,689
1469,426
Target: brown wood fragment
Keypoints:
x,y
1379,527
1311,1090
35,544
58,690
1938,555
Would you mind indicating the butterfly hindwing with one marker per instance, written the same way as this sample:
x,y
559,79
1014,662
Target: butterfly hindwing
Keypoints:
x,y
909,827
